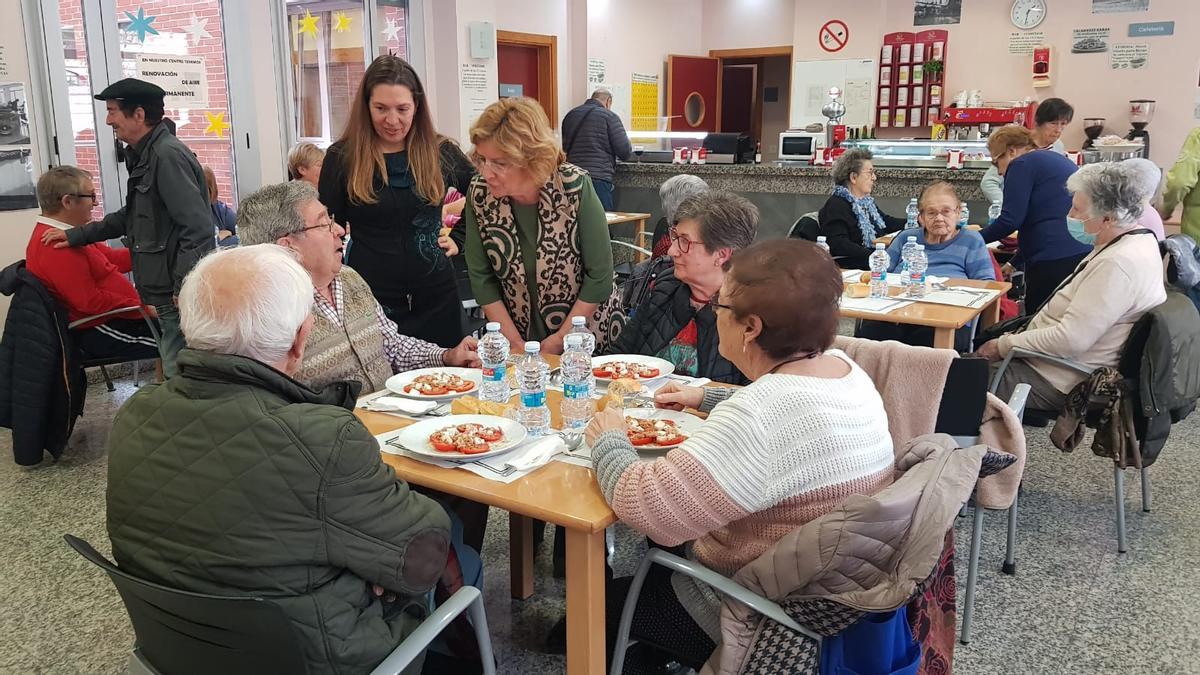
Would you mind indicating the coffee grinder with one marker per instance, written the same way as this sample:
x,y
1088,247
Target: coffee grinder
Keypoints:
x,y
1092,128
1141,111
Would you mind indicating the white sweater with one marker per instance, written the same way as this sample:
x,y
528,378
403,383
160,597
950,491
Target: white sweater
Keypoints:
x,y
1089,319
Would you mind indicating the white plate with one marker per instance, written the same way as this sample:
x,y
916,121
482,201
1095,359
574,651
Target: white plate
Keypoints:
x,y
689,424
415,437
665,367
396,382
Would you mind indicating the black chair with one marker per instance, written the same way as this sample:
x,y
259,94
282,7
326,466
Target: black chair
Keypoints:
x,y
805,227
176,630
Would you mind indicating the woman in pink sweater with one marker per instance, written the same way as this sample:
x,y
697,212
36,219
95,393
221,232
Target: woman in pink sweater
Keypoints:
x,y
808,432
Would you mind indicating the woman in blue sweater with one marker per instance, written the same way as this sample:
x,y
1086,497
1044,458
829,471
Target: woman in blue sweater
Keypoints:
x,y
955,253
1036,202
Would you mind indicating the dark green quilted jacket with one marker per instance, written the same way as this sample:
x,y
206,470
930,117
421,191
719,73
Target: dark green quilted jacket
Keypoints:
x,y
233,479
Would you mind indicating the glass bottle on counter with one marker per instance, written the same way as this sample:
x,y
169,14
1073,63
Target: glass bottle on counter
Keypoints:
x,y
758,152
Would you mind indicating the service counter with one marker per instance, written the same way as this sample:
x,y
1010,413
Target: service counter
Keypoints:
x,y
783,193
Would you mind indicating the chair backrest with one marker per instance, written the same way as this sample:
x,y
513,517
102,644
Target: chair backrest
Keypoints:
x,y
805,227
964,397
177,631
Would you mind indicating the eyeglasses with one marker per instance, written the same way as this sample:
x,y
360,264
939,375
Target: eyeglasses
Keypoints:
x,y
715,301
946,214
326,223
869,172
681,240
498,166
81,195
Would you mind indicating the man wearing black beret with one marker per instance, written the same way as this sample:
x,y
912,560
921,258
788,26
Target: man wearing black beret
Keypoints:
x,y
166,221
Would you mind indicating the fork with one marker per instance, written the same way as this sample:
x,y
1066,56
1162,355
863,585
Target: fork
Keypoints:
x,y
440,411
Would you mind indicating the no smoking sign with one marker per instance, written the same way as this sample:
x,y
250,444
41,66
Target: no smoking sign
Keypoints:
x,y
834,35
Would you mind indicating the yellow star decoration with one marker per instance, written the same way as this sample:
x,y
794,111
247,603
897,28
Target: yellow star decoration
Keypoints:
x,y
341,22
308,23
216,124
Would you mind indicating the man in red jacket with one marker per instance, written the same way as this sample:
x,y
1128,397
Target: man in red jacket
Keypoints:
x,y
88,280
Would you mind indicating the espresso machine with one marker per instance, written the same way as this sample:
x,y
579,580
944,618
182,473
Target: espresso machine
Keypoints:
x,y
1141,111
1092,128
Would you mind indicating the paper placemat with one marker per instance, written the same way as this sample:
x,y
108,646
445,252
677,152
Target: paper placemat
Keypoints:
x,y
959,296
874,305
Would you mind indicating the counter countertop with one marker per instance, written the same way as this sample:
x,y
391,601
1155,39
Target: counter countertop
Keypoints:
x,y
795,179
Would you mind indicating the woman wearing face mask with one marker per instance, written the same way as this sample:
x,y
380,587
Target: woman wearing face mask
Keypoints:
x,y
1036,202
387,177
1050,119
1089,318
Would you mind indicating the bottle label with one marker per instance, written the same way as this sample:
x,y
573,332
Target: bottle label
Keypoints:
x,y
575,390
494,374
917,278
876,275
534,399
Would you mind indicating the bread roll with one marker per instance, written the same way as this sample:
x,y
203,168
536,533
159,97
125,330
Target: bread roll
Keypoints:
x,y
617,391
865,277
858,290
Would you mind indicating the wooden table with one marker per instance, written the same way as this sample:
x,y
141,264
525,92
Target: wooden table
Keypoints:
x,y
640,232
943,319
559,493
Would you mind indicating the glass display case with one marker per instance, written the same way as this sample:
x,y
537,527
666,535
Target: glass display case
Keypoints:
x,y
914,153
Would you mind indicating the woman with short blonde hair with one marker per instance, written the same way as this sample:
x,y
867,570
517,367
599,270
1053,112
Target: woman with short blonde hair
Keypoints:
x,y
304,163
387,177
537,242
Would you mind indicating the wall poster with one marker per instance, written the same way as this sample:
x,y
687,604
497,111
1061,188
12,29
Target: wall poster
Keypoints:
x,y
643,111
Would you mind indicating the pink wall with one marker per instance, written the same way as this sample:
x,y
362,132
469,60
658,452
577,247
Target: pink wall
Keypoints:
x,y
978,58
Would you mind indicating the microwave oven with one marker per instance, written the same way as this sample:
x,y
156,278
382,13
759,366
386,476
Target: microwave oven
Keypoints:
x,y
800,146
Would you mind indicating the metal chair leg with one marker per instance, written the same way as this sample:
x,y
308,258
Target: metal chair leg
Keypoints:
x,y
622,641
137,373
107,382
482,636
1010,547
1145,490
1119,496
610,545
972,576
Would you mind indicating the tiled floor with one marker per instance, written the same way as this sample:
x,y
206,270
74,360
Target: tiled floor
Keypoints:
x,y
1075,606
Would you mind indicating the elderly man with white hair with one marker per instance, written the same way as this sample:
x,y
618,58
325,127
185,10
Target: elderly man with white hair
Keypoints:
x,y
352,338
234,479
1089,317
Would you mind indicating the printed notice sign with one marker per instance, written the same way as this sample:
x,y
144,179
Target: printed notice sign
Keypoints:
x,y
596,72
1024,42
1129,57
182,77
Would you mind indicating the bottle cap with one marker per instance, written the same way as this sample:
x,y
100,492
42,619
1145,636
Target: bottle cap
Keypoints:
x,y
573,340
878,244
533,347
579,321
493,326
910,238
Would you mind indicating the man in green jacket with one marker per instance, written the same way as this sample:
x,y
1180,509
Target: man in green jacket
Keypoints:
x,y
234,479
166,221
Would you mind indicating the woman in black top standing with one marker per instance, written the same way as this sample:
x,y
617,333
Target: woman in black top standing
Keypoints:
x,y
386,177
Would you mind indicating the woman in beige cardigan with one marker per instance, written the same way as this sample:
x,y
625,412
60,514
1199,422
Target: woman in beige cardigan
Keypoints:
x,y
1089,317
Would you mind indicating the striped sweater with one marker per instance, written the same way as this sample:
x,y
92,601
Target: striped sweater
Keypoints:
x,y
772,456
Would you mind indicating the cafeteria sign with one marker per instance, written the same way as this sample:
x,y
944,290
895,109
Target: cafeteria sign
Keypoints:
x,y
183,78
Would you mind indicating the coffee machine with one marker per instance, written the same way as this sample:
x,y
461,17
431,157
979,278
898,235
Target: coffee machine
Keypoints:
x,y
1092,128
1141,111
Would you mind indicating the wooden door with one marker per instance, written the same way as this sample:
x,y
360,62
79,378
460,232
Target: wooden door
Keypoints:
x,y
693,93
513,49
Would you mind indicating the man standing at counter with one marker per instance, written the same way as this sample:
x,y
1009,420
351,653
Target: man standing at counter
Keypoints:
x,y
594,139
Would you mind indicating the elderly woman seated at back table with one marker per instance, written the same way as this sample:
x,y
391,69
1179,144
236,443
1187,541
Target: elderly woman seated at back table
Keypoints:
x,y
676,322
809,431
672,193
954,253
1089,317
850,220
351,338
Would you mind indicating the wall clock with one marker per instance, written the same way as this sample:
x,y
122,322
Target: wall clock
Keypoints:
x,y
1027,14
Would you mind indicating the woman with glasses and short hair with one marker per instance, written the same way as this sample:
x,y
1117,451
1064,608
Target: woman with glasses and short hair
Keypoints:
x,y
387,177
675,322
850,220
537,241
955,253
1036,202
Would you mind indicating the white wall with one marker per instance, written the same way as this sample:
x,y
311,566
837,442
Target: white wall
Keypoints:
x,y
738,24
636,36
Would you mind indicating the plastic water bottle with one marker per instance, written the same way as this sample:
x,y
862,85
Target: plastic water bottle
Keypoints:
x,y
906,252
964,216
879,261
994,212
911,211
579,327
533,373
823,242
577,406
493,353
916,272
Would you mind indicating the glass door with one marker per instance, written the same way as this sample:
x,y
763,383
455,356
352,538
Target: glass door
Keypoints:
x,y
177,44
